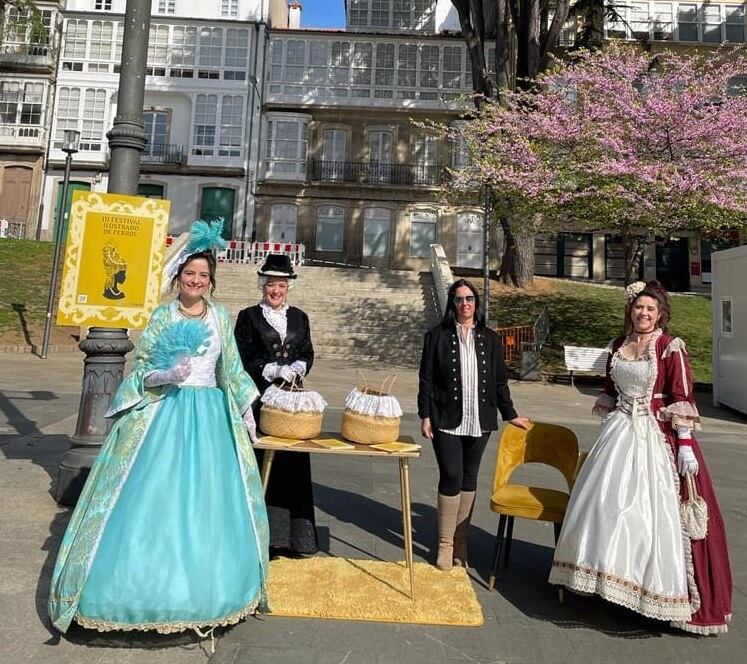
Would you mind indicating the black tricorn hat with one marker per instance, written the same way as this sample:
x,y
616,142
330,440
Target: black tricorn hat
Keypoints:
x,y
277,265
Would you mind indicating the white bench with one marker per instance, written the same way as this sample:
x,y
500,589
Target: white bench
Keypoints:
x,y
580,358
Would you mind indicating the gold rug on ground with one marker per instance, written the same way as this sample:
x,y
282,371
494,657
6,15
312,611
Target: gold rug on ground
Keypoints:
x,y
346,589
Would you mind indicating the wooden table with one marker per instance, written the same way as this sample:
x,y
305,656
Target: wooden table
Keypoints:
x,y
357,450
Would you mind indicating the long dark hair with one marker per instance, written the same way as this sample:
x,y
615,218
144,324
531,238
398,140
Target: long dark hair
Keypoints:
x,y
656,291
450,318
208,256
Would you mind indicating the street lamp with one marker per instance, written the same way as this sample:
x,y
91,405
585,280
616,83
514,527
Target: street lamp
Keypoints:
x,y
105,348
70,140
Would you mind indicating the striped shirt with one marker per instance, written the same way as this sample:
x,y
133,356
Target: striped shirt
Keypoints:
x,y
470,424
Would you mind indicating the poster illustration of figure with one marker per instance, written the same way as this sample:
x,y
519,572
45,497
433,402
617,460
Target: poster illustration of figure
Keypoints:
x,y
115,269
113,260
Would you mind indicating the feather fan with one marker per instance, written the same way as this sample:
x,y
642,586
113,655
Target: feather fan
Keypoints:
x,y
182,338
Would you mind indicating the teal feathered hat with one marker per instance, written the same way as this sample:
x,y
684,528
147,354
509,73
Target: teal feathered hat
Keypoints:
x,y
203,236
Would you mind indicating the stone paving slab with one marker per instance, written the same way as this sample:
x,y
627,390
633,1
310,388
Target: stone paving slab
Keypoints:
x,y
358,515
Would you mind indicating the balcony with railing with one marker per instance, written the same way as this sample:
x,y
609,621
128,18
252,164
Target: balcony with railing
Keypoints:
x,y
163,154
24,56
376,173
23,136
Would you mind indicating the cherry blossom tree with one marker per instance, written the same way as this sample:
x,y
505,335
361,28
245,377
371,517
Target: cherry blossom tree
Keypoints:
x,y
640,145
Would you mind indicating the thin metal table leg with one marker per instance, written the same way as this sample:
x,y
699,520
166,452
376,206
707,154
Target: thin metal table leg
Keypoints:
x,y
266,468
404,476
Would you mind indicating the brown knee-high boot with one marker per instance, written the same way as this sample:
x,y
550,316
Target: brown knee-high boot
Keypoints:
x,y
448,507
461,534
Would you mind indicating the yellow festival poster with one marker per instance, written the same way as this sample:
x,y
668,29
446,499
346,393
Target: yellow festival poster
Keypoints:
x,y
113,260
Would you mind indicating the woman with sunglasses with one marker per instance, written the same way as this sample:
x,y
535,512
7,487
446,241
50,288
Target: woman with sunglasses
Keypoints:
x,y
463,381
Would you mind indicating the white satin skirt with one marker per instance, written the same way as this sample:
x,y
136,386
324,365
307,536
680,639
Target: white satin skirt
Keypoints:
x,y
621,537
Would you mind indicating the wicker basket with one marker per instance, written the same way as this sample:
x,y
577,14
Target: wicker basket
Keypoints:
x,y
368,430
300,426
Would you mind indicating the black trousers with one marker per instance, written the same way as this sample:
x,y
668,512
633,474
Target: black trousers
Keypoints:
x,y
458,459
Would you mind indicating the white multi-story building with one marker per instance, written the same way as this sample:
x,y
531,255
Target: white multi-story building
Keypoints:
x,y
28,48
347,171
201,109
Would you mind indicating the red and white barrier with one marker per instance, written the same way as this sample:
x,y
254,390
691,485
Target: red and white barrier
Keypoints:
x,y
240,251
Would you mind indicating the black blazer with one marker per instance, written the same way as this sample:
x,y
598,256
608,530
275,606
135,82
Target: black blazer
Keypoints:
x,y
259,343
440,387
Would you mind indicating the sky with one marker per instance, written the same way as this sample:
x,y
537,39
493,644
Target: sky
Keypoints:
x,y
323,14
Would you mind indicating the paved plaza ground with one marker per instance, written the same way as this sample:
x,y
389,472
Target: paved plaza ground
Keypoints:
x,y
358,515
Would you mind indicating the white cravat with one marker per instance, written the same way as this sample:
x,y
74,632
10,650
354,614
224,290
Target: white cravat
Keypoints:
x,y
278,319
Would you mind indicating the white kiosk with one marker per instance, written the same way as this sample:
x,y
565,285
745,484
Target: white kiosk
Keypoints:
x,y
729,298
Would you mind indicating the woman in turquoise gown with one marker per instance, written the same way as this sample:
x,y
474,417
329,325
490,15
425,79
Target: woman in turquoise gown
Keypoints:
x,y
170,532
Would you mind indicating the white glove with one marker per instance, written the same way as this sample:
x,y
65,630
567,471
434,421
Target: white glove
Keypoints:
x,y
251,425
287,374
686,461
271,371
178,373
299,366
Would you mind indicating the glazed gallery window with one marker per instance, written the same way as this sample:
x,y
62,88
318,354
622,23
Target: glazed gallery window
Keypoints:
x,y
330,225
21,103
377,224
229,8
210,53
368,70
84,110
285,149
210,137
707,22
237,48
400,14
158,50
422,233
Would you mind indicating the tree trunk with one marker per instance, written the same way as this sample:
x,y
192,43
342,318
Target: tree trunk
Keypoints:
x,y
633,246
517,264
529,52
473,30
504,49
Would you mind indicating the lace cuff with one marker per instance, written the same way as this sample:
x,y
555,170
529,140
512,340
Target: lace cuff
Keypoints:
x,y
681,414
604,405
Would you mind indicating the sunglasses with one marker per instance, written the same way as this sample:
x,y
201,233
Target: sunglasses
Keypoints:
x,y
469,299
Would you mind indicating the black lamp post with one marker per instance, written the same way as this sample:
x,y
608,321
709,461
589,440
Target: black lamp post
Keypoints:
x,y
69,147
105,348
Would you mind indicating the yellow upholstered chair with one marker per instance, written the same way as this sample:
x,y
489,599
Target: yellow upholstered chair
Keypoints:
x,y
549,444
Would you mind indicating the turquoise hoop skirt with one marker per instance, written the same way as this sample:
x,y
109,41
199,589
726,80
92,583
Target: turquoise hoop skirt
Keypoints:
x,y
177,551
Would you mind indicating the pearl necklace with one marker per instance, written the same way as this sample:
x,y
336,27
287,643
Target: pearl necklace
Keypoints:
x,y
186,314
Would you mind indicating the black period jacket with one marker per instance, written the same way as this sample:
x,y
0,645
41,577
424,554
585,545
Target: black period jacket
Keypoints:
x,y
440,388
259,343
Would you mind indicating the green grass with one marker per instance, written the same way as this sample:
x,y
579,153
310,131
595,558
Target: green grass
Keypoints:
x,y
24,287
585,315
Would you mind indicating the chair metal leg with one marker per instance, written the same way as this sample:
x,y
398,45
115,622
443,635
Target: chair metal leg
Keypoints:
x,y
509,539
561,590
497,551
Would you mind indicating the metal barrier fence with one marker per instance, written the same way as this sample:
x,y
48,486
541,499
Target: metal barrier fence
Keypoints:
x,y
12,228
515,339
